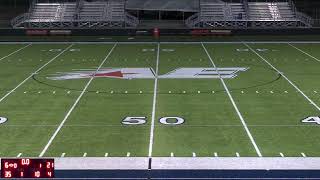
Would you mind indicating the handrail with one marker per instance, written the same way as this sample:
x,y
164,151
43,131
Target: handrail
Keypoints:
x,y
307,20
192,20
132,20
15,22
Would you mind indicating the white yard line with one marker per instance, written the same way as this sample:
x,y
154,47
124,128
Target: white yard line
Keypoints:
x,y
74,105
285,77
166,42
154,104
5,96
15,51
304,52
234,105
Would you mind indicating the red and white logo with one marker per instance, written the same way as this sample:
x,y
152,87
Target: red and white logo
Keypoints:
x,y
148,73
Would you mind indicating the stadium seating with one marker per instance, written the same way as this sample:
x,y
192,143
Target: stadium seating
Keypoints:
x,y
53,12
113,13
270,11
94,14
254,14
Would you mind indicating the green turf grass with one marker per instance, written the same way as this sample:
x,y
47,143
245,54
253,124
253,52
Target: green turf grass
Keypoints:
x,y
273,115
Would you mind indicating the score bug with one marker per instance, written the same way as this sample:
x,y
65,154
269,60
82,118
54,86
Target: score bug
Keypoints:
x,y
27,168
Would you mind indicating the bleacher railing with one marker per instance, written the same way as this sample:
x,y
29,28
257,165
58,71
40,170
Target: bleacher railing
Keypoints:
x,y
307,20
20,19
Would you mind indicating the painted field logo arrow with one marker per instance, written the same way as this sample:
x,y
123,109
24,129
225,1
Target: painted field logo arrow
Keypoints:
x,y
148,73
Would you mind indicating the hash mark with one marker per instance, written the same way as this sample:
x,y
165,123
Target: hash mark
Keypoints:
x,y
194,154
237,154
303,155
128,154
63,154
281,154
84,154
215,154
172,155
106,154
19,155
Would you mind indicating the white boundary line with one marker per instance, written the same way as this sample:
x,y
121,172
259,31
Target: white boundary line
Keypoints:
x,y
285,77
304,52
235,106
15,51
5,96
154,104
163,42
75,104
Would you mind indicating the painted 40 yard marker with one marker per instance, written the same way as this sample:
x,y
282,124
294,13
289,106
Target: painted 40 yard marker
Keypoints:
x,y
312,119
3,120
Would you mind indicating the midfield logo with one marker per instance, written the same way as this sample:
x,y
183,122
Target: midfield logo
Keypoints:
x,y
148,73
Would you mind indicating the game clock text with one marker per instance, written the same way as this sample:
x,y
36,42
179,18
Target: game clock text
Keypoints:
x,y
27,168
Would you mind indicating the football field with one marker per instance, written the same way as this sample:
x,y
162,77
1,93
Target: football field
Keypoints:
x,y
219,99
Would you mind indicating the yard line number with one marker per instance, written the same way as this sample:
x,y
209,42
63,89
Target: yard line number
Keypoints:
x,y
142,120
3,120
313,119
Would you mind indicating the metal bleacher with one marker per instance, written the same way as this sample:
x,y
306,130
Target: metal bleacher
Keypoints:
x,y
79,14
206,14
248,15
